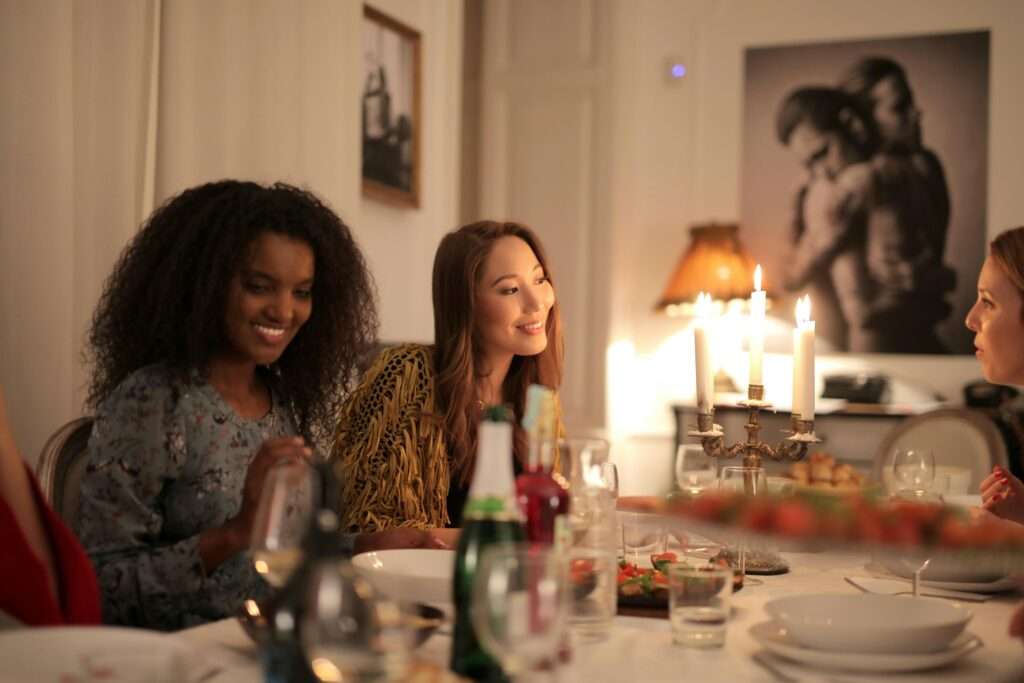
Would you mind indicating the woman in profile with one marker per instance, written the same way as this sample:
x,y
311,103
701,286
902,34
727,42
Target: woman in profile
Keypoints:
x,y
406,442
997,320
223,344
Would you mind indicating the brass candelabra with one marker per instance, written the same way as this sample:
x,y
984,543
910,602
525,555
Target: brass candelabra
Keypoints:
x,y
791,449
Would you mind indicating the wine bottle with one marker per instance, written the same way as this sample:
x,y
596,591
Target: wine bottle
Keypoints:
x,y
489,517
543,501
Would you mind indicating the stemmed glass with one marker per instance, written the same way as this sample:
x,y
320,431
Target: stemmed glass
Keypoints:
x,y
914,470
349,632
750,481
290,496
521,607
695,471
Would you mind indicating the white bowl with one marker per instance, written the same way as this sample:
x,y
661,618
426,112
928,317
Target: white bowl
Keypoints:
x,y
870,623
414,575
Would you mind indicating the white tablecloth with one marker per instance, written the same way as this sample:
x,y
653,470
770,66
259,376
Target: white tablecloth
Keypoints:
x,y
641,649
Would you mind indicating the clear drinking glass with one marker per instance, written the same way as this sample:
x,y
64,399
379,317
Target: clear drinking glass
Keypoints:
x,y
914,470
695,471
643,535
594,597
699,601
595,537
289,498
520,607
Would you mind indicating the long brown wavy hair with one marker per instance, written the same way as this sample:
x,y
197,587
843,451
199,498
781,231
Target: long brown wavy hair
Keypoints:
x,y
1008,252
458,267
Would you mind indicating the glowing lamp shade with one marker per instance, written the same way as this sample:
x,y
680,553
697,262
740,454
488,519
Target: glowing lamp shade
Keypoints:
x,y
714,262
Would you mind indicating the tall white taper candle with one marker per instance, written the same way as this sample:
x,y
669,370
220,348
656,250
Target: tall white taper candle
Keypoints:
x,y
758,304
702,353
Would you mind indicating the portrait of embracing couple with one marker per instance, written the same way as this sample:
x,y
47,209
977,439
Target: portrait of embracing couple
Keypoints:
x,y
877,205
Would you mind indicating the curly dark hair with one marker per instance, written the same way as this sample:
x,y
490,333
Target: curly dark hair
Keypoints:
x,y
166,298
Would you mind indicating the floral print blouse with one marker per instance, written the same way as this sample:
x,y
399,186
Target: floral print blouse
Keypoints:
x,y
167,459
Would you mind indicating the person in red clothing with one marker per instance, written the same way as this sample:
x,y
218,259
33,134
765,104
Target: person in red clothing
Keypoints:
x,y
45,575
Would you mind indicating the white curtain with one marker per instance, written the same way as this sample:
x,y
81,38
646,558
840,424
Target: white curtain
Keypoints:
x,y
76,175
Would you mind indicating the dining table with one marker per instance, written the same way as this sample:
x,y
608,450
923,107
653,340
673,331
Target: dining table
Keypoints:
x,y
641,647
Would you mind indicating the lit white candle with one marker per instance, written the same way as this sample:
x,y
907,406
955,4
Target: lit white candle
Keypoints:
x,y
702,353
803,361
758,304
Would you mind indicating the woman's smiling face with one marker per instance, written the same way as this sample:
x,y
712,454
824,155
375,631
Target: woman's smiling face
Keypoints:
x,y
269,299
513,299
997,320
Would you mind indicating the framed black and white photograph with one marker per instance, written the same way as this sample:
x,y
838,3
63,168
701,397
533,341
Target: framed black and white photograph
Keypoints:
x,y
864,185
391,110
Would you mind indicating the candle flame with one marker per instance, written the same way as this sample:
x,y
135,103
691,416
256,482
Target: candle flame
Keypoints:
x,y
803,310
757,278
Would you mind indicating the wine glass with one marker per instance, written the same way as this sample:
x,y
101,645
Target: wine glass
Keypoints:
x,y
750,481
914,470
349,632
288,500
520,607
695,471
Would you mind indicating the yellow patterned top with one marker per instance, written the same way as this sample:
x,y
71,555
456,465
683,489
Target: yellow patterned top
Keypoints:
x,y
389,450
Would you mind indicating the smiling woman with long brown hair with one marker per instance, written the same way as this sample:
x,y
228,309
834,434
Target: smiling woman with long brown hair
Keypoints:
x,y
406,442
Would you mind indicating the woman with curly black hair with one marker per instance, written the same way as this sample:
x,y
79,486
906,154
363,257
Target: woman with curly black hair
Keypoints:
x,y
223,343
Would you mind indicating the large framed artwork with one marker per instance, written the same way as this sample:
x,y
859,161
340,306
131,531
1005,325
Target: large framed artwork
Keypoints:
x,y
863,184
391,110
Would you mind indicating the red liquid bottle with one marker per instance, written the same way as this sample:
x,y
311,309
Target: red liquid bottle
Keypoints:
x,y
543,500
544,503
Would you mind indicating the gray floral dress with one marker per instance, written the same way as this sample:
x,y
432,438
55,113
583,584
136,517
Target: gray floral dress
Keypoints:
x,y
167,460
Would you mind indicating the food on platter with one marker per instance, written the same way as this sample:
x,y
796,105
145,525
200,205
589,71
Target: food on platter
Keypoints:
x,y
648,586
820,470
853,517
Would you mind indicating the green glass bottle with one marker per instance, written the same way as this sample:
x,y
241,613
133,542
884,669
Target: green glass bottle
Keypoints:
x,y
491,516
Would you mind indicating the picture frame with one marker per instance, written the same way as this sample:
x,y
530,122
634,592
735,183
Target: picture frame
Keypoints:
x,y
883,140
391,120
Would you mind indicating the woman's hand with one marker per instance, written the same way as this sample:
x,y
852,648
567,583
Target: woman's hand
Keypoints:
x,y
439,539
1002,494
223,543
273,452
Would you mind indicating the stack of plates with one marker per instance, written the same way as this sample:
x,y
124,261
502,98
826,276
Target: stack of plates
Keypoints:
x,y
868,633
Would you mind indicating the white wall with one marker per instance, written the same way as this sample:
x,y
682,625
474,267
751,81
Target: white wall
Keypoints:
x,y
112,105
400,243
678,143
671,151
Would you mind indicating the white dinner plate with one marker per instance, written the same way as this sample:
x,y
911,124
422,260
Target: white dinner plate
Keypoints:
x,y
101,653
1002,585
775,639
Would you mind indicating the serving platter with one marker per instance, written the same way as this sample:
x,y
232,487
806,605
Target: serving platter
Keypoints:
x,y
805,521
